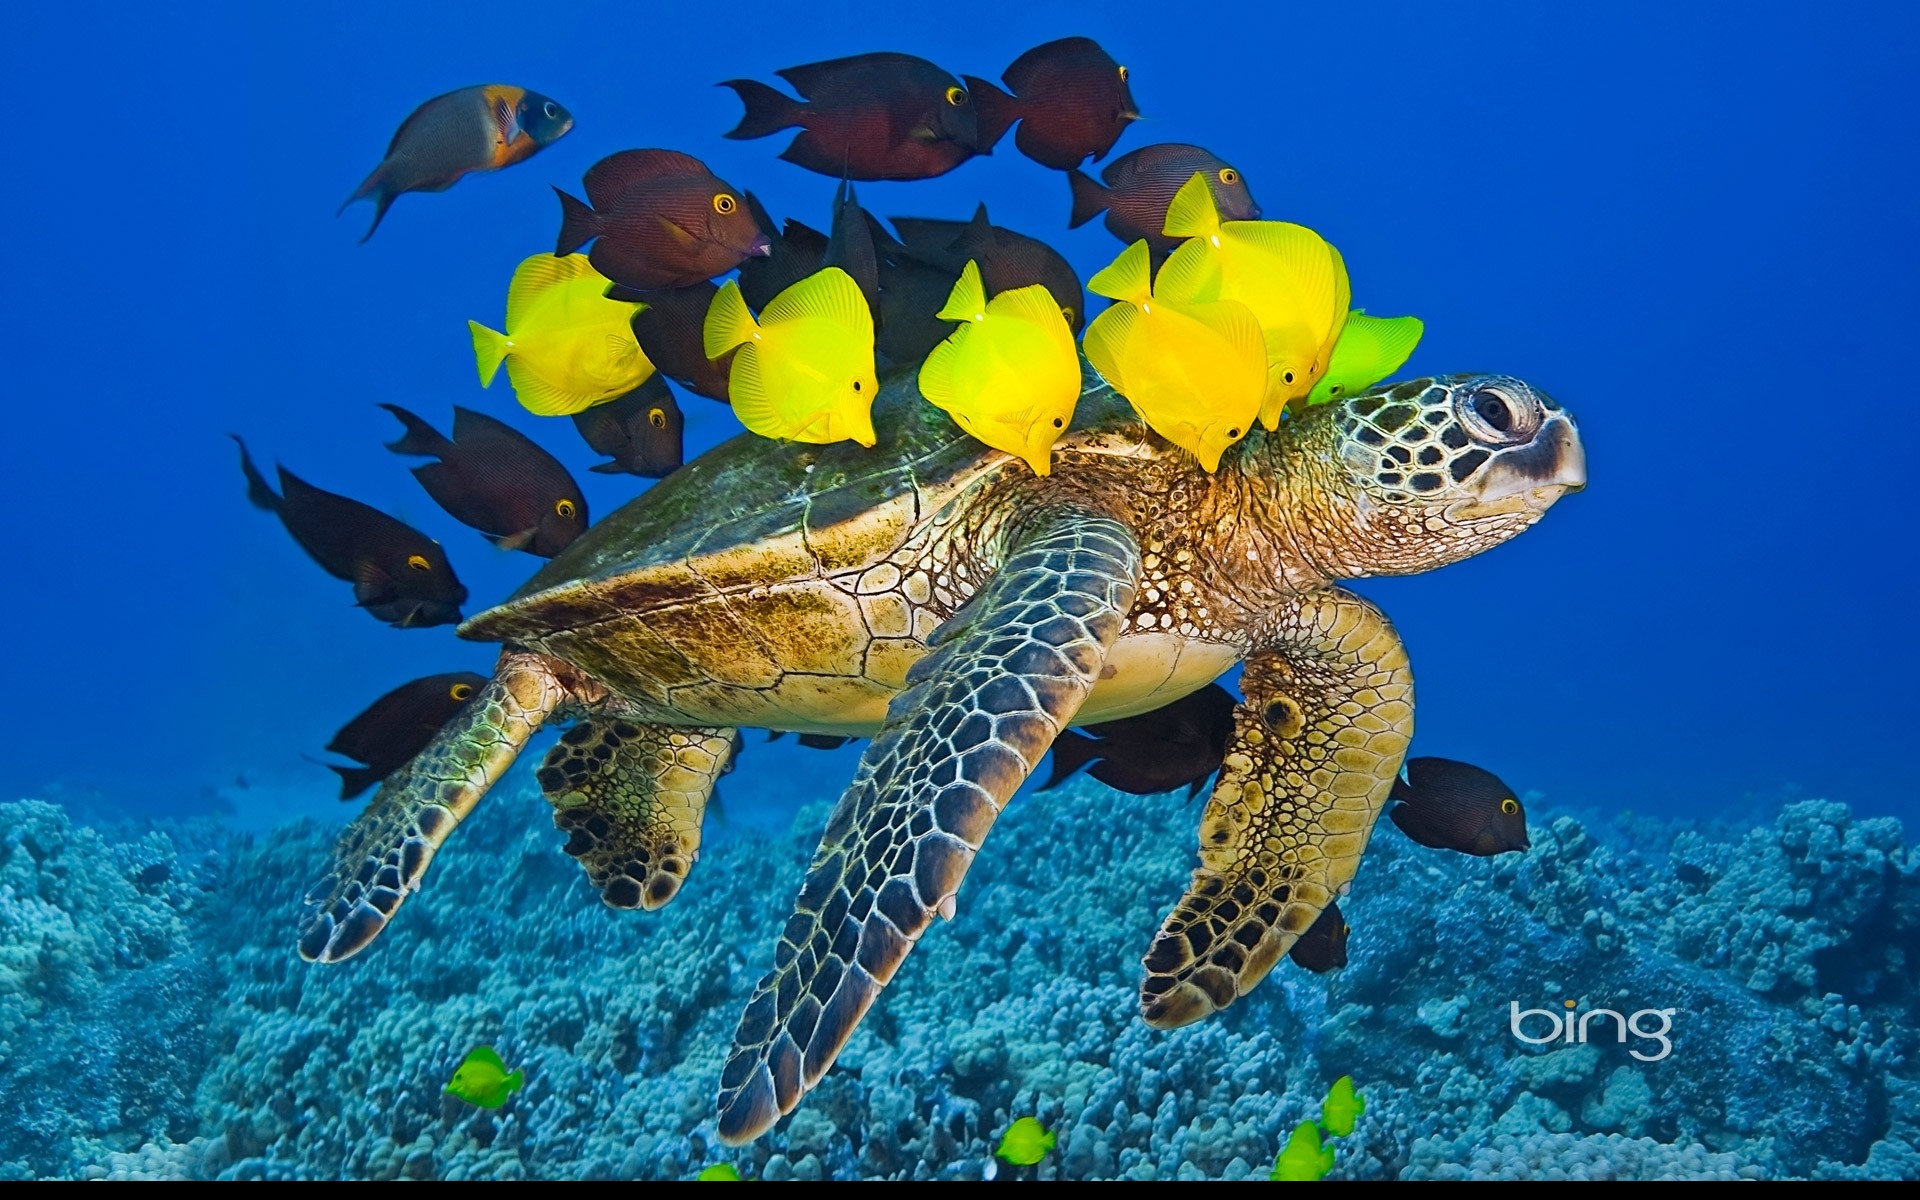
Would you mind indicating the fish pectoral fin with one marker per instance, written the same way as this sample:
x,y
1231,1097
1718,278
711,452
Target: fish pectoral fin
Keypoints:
x,y
675,233
517,541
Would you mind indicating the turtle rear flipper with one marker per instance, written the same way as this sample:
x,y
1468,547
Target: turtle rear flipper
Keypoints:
x,y
1314,752
383,854
1006,675
630,798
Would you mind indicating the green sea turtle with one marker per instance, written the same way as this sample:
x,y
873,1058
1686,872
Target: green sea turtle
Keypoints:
x,y
939,597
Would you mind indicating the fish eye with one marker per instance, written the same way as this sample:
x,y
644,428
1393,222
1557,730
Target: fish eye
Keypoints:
x,y
419,562
856,385
724,204
1066,310
1059,423
1345,930
1336,389
1509,806
657,417
956,96
1233,433
566,508
460,691
551,109
1287,378
1229,176
1123,74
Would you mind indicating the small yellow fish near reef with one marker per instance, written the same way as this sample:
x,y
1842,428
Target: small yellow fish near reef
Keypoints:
x,y
1025,1142
482,1079
1196,372
719,1171
804,372
1304,1159
1295,283
1010,375
1342,1107
567,347
1369,350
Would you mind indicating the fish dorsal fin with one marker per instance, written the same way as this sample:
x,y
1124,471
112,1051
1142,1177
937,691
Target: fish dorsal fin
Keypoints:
x,y
1193,212
1106,341
1386,341
828,294
1128,278
488,1056
976,235
1033,304
614,174
1342,293
539,275
1309,263
1191,274
728,322
968,300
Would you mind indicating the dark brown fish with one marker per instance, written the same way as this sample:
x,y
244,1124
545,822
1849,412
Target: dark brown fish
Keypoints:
x,y
1456,806
399,574
496,479
1180,745
873,116
812,741
851,246
1141,185
658,219
398,726
668,330
1323,946
794,252
1071,99
912,292
1007,259
474,129
642,432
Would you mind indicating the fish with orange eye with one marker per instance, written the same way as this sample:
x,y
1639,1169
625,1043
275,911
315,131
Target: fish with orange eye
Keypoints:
x,y
658,219
872,116
398,726
1140,187
1323,947
1071,99
496,479
669,329
449,137
642,432
399,575
1008,260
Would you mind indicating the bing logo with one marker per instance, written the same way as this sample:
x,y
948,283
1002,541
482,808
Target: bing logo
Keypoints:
x,y
1570,1028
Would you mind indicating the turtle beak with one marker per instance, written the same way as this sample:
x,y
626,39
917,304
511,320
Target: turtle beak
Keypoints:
x,y
1530,478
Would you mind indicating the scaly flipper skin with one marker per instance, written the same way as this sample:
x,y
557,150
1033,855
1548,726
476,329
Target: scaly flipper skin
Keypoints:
x,y
630,798
383,854
1327,719
1008,672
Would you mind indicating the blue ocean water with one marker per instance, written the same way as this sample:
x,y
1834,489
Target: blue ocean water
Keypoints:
x,y
1690,223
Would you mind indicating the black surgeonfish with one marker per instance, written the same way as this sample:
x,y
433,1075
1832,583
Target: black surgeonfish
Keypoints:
x,y
658,219
1140,187
474,129
642,432
399,574
1007,259
794,252
1180,745
496,479
871,116
1323,946
1457,806
912,293
1071,99
669,332
398,726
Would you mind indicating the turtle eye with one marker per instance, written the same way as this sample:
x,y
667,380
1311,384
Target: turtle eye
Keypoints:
x,y
956,96
419,562
1494,414
724,204
1123,74
460,691
1509,806
1229,176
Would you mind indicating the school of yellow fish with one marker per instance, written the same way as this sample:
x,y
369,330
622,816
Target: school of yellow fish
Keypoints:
x,y
1243,321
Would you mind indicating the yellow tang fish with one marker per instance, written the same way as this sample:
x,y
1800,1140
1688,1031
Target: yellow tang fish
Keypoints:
x,y
1195,372
1369,350
482,1079
567,347
1295,283
804,372
1010,376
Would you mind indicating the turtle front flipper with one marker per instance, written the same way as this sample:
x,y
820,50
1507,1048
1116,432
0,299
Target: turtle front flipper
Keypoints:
x,y
1315,748
1006,674
630,798
383,854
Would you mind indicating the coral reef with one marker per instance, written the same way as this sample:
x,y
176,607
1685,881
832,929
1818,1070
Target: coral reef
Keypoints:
x,y
155,1023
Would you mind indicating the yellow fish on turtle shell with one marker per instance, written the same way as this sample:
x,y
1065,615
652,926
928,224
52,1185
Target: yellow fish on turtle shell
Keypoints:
x,y
567,347
804,372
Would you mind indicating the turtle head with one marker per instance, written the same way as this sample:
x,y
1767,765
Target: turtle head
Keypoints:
x,y
1441,469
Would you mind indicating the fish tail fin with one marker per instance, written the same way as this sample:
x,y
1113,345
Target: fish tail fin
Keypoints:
x,y
1129,278
994,111
1071,751
767,110
968,300
1192,212
489,351
728,322
258,491
420,438
381,203
515,1081
579,224
1089,198
354,780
